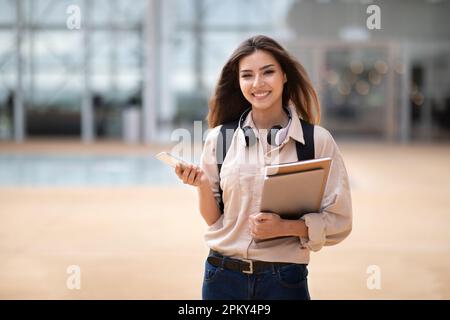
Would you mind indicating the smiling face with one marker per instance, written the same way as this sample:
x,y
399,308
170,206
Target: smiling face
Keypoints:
x,y
261,80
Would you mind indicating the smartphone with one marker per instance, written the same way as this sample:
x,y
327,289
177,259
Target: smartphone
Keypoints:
x,y
171,160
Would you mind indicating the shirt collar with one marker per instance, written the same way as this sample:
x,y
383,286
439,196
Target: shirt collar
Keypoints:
x,y
295,130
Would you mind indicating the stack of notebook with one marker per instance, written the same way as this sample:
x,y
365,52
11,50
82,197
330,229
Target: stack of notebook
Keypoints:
x,y
293,189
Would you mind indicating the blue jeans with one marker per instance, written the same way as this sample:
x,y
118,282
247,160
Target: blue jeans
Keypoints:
x,y
287,282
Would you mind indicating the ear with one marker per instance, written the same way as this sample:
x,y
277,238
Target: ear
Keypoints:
x,y
285,78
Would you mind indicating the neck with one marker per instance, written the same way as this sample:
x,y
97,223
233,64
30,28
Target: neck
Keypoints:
x,y
266,119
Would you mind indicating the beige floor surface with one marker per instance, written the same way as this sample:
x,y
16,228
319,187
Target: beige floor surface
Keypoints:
x,y
147,243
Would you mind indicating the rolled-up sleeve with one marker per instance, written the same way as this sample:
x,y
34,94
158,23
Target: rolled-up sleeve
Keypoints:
x,y
208,161
334,223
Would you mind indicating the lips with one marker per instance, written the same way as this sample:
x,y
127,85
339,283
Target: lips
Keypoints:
x,y
261,94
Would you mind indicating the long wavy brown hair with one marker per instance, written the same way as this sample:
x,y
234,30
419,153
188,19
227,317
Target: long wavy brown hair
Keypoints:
x,y
228,102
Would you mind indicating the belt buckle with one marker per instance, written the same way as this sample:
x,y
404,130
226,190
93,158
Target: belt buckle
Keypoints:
x,y
250,262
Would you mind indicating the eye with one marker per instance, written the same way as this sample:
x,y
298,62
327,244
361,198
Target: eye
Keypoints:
x,y
269,71
245,76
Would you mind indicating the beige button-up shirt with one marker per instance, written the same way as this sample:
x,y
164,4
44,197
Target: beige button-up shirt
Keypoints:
x,y
241,179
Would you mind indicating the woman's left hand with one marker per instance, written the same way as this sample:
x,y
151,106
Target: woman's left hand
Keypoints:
x,y
266,225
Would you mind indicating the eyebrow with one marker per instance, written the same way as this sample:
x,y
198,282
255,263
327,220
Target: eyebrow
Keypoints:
x,y
262,68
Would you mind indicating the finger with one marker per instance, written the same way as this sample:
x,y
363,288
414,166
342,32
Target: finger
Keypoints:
x,y
199,176
191,177
178,171
253,223
263,216
258,220
258,216
185,175
186,172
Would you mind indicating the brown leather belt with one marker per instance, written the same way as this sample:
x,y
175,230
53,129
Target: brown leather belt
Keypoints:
x,y
244,266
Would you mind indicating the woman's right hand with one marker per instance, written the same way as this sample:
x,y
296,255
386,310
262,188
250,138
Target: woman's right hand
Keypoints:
x,y
191,175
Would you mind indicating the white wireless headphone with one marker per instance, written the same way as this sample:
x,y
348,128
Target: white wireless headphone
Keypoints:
x,y
277,134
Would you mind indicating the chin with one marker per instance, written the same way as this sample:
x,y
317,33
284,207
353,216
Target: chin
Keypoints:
x,y
262,106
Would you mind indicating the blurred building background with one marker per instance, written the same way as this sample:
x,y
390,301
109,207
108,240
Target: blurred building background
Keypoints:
x,y
135,70
81,80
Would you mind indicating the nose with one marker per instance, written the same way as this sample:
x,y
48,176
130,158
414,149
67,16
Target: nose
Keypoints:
x,y
258,82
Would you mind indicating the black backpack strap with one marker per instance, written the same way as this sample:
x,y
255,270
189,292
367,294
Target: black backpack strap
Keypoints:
x,y
306,151
223,145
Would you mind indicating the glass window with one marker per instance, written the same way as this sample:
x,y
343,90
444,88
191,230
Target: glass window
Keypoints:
x,y
7,60
184,12
183,48
8,12
50,12
130,12
57,70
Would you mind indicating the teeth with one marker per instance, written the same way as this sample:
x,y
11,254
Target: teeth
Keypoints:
x,y
263,94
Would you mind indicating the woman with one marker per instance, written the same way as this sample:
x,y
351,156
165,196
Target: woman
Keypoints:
x,y
268,91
